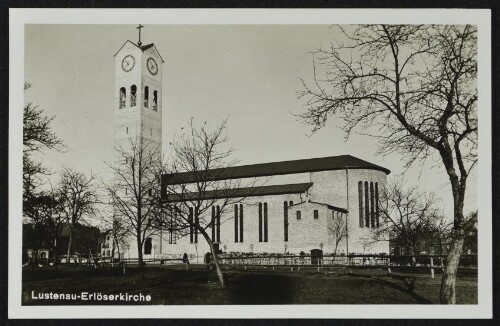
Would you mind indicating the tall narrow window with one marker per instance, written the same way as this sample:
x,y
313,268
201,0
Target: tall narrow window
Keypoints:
x,y
377,213
316,214
265,222
126,130
367,206
213,223
190,224
148,244
173,217
218,223
285,220
236,229
290,203
123,97
360,199
241,222
196,224
299,215
133,95
146,96
260,222
372,205
155,101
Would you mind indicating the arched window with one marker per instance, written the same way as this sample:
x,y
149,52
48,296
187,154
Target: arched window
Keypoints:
x,y
367,206
133,95
196,224
360,199
265,222
146,96
123,97
155,100
191,229
372,205
218,223
285,220
260,222
377,213
148,245
236,223
241,222
214,220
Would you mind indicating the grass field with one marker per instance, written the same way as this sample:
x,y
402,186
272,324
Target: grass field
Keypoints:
x,y
174,285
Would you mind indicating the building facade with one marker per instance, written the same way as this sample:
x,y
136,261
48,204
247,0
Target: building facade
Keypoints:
x,y
294,211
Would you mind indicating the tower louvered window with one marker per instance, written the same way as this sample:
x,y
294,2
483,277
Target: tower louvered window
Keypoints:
x,y
123,97
146,96
155,101
133,95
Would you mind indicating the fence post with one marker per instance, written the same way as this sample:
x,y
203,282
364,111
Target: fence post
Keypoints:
x,y
432,267
124,263
442,265
388,265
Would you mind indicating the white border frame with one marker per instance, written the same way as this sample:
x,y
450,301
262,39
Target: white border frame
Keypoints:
x,y
20,17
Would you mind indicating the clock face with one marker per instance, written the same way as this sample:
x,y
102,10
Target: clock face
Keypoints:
x,y
152,66
128,63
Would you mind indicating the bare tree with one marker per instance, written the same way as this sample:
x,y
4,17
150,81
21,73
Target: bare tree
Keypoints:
x,y
44,211
78,196
412,221
197,196
414,86
115,225
338,229
37,135
135,189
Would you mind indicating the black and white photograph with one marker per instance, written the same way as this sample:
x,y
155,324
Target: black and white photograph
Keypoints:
x,y
306,162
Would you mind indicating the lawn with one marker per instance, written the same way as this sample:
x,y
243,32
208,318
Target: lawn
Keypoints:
x,y
174,285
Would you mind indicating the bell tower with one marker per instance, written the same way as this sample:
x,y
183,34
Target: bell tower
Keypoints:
x,y
138,93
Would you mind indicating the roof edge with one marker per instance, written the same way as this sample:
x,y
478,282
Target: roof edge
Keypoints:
x,y
371,166
214,195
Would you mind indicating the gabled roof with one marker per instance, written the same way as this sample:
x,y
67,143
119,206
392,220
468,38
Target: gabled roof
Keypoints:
x,y
275,168
333,208
295,188
142,47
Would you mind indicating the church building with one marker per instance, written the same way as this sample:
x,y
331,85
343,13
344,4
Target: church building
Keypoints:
x,y
294,211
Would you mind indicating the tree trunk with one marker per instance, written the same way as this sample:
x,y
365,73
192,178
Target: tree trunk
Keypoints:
x,y
216,260
336,246
217,267
55,253
70,244
141,262
447,294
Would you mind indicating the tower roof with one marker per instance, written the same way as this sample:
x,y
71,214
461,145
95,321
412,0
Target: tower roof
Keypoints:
x,y
142,47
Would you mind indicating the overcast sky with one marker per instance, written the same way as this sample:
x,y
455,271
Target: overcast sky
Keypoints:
x,y
210,72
